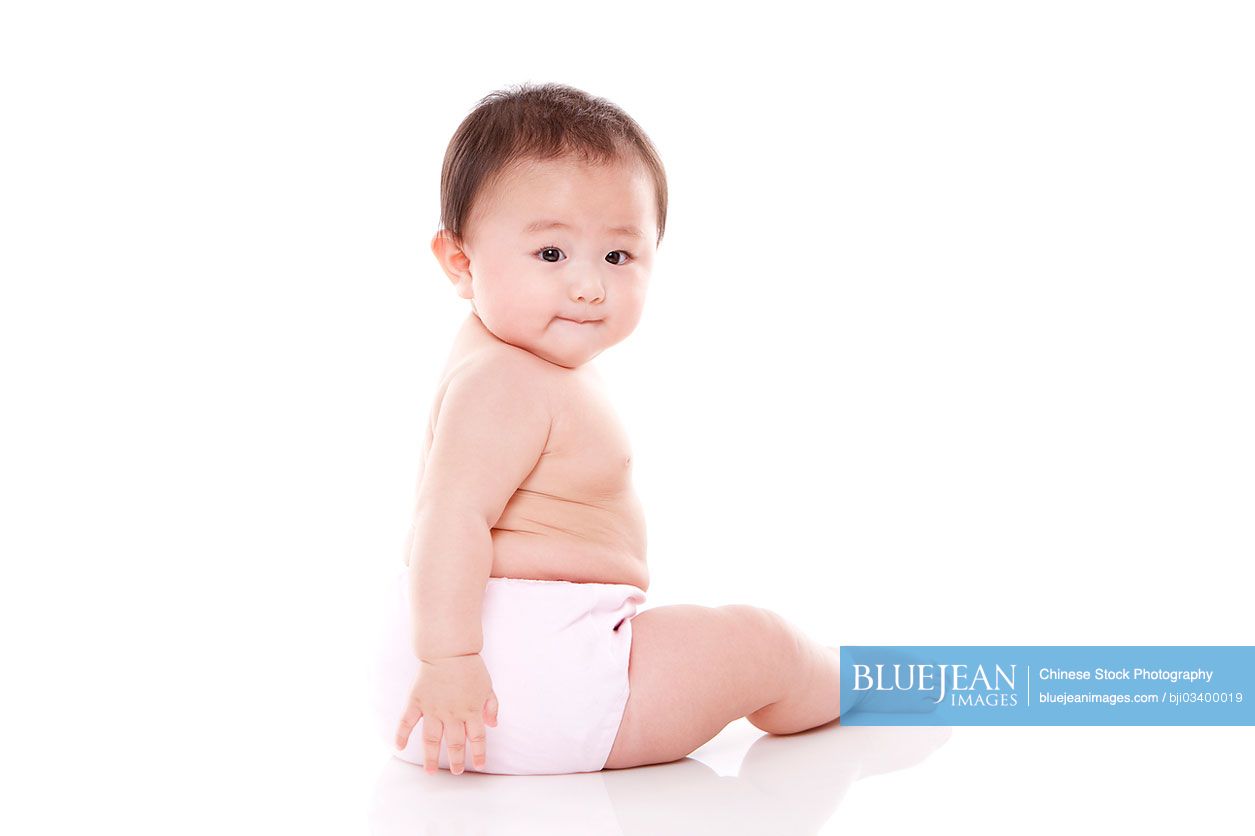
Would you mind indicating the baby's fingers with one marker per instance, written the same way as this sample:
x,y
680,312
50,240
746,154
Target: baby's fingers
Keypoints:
x,y
410,719
433,729
455,742
475,736
490,709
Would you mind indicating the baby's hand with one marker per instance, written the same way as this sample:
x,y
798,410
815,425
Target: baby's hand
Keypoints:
x,y
455,694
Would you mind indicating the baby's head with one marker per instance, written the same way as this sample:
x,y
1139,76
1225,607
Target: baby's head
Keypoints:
x,y
553,203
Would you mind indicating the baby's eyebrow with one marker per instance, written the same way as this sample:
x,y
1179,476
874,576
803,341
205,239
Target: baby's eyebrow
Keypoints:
x,y
537,226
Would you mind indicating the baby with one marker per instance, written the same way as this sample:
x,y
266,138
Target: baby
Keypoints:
x,y
516,633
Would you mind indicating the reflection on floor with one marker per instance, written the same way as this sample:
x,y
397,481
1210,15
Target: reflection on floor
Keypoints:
x,y
742,782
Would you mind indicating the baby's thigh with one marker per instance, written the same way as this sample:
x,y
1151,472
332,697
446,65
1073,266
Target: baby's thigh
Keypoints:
x,y
692,670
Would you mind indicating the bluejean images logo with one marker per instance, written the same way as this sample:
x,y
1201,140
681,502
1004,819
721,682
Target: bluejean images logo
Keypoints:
x,y
963,686
999,685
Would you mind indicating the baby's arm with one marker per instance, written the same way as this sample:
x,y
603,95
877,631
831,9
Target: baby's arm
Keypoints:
x,y
490,431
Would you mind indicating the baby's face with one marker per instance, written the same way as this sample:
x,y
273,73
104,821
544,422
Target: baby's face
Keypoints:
x,y
528,280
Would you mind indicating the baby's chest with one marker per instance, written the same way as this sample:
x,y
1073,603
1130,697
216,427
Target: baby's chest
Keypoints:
x,y
588,454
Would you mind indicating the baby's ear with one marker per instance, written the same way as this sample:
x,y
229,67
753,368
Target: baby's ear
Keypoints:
x,y
453,261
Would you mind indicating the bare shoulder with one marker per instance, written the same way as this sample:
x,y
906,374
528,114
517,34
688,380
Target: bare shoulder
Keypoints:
x,y
504,369
490,428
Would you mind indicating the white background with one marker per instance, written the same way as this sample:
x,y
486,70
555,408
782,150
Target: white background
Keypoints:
x,y
948,342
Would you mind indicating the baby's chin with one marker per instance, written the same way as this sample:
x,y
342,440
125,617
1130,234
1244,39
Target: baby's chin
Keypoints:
x,y
566,359
562,342
567,352
561,351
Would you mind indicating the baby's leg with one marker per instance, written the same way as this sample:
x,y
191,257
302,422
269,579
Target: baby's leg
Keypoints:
x,y
694,669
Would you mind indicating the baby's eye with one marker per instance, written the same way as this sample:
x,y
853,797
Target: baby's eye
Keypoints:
x,y
544,252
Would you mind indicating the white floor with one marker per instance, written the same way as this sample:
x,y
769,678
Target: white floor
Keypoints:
x,y
292,764
859,780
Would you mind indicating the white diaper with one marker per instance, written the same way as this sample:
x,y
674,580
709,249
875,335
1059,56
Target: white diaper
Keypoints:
x,y
557,653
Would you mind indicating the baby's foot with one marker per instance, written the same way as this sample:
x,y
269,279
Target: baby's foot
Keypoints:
x,y
854,698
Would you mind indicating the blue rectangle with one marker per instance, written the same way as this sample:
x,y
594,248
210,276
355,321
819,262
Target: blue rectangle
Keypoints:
x,y
1033,685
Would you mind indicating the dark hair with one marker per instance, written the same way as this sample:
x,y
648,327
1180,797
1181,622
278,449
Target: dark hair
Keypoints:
x,y
538,122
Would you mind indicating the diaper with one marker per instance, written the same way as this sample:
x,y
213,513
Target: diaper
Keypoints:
x,y
557,653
